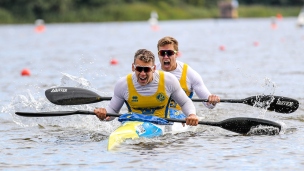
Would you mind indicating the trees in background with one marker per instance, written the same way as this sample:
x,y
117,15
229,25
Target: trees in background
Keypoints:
x,y
22,11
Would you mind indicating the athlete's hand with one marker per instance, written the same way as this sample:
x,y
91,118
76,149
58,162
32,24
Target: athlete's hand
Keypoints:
x,y
213,99
192,120
101,113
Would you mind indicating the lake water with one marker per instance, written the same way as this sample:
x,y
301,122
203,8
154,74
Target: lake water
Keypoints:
x,y
257,59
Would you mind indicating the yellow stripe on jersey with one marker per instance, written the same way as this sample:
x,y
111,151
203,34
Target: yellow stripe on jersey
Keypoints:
x,y
156,104
183,83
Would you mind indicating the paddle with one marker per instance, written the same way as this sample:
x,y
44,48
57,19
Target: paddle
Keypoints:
x,y
77,96
241,125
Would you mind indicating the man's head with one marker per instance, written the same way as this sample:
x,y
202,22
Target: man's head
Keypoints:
x,y
167,52
144,66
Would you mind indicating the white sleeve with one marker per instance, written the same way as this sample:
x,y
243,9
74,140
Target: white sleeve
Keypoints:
x,y
178,94
118,98
198,86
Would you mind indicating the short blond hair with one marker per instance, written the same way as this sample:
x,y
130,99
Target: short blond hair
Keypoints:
x,y
144,55
166,41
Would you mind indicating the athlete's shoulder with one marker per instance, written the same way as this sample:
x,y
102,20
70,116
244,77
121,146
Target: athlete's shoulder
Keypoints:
x,y
169,76
180,63
122,80
190,69
121,87
164,72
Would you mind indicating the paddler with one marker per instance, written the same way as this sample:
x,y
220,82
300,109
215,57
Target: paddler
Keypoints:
x,y
148,91
189,79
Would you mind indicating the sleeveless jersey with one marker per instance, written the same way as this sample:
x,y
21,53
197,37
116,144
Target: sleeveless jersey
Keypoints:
x,y
156,104
183,83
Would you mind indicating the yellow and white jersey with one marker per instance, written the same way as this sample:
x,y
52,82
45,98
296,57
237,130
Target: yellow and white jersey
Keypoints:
x,y
190,81
155,104
169,88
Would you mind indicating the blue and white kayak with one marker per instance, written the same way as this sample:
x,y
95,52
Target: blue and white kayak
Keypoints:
x,y
137,126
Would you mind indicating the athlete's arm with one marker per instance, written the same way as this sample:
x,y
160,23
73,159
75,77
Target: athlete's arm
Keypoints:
x,y
199,86
116,102
178,95
118,98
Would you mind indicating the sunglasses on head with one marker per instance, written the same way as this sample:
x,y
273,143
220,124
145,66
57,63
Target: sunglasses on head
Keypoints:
x,y
167,52
145,69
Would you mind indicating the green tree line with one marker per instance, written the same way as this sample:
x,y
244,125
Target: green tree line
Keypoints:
x,y
26,11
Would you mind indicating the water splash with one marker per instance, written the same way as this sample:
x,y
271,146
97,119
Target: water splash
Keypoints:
x,y
269,87
73,81
27,102
264,100
264,130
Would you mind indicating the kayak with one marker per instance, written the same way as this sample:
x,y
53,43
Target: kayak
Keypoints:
x,y
138,129
143,128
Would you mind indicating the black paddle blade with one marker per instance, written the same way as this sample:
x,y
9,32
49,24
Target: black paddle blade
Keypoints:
x,y
243,125
283,105
278,104
71,96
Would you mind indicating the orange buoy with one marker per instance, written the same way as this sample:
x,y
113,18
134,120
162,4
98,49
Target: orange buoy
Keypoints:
x,y
279,16
39,26
25,72
113,62
155,27
222,48
255,43
154,21
274,26
273,23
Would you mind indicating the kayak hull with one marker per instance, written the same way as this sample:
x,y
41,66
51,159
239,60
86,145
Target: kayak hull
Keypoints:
x,y
138,129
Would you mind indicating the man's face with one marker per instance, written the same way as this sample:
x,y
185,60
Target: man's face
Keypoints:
x,y
167,57
144,71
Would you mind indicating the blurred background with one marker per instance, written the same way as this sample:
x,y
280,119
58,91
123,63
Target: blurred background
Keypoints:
x,y
58,11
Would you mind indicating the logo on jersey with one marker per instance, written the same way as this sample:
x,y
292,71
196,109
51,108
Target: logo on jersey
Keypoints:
x,y
173,104
160,97
134,99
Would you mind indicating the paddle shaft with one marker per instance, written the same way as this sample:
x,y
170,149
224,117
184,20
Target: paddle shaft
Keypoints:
x,y
243,101
194,100
239,125
100,99
84,112
222,100
78,96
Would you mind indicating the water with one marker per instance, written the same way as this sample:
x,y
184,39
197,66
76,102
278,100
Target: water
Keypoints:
x,y
257,60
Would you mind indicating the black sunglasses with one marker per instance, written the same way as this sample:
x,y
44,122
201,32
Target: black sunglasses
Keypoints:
x,y
167,52
145,69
